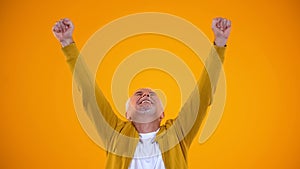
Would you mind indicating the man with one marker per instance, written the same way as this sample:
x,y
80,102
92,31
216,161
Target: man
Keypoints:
x,y
158,146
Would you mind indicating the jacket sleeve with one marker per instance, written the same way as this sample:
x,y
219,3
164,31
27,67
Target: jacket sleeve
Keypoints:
x,y
102,122
200,98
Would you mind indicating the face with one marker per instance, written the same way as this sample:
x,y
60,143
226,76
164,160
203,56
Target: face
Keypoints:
x,y
144,106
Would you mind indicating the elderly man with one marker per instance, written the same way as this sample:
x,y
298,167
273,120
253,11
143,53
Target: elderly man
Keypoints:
x,y
145,112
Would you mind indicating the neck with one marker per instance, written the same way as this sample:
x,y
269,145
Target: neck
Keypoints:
x,y
147,127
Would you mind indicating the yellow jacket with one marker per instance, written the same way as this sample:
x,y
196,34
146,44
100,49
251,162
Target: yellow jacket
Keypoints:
x,y
174,155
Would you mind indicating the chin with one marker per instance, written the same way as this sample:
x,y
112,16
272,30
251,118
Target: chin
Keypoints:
x,y
144,117
146,111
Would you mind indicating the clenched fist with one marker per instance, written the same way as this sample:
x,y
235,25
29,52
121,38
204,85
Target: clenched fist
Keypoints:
x,y
63,31
221,28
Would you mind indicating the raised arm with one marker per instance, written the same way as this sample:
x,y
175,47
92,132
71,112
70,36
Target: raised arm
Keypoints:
x,y
206,85
63,31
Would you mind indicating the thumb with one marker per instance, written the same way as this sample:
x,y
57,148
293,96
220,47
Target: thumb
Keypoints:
x,y
215,21
68,22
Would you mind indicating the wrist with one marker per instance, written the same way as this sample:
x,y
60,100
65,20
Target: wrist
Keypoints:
x,y
66,42
220,42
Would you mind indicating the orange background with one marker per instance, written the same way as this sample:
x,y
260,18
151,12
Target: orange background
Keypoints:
x,y
260,125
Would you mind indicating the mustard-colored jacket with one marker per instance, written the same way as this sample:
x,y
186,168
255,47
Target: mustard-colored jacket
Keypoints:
x,y
172,138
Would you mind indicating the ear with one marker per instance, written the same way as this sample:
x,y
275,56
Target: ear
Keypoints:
x,y
162,115
127,116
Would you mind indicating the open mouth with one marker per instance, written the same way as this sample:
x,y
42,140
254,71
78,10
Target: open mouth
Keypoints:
x,y
145,101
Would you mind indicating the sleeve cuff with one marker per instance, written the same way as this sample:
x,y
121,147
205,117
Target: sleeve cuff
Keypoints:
x,y
71,52
220,51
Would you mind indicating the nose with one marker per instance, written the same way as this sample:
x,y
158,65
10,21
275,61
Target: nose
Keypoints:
x,y
146,94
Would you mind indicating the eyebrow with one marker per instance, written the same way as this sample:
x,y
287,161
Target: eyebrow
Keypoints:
x,y
139,92
152,92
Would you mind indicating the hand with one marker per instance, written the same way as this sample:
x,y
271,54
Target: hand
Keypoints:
x,y
221,28
63,31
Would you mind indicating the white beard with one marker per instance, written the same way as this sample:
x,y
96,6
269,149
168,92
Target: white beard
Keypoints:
x,y
146,115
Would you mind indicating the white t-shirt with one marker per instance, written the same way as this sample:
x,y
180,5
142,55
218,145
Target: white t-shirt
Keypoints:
x,y
147,153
